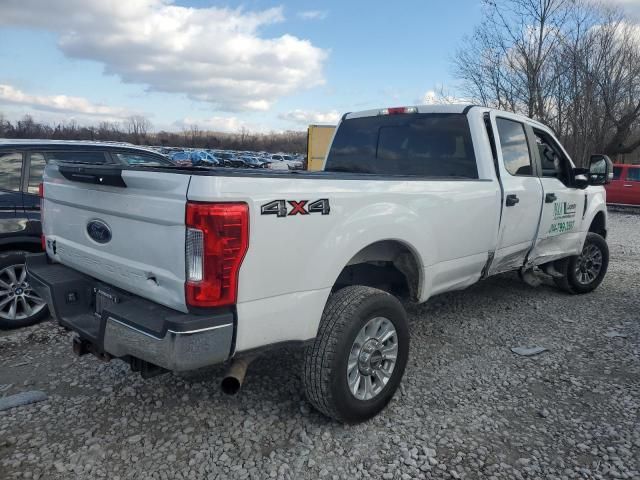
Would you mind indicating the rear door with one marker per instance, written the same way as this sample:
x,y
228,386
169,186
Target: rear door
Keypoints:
x,y
564,205
522,193
631,186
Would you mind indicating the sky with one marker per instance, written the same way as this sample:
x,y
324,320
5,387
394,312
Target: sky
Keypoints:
x,y
256,64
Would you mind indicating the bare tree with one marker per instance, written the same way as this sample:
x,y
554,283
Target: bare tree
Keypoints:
x,y
137,127
193,136
572,64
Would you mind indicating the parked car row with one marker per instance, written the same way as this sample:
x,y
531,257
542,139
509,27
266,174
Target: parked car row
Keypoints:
x,y
232,158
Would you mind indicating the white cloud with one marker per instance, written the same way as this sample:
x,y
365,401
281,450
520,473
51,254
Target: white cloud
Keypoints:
x,y
307,117
10,95
313,14
433,97
216,124
632,7
217,55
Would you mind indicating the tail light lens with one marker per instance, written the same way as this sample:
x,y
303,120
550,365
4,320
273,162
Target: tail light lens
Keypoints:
x,y
217,239
43,240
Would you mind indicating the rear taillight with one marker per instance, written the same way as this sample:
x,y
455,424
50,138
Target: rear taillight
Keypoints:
x,y
217,239
43,240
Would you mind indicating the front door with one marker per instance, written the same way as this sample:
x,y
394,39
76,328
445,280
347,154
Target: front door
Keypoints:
x,y
615,189
522,193
631,186
560,233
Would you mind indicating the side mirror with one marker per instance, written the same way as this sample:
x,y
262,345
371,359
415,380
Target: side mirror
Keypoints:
x,y
600,170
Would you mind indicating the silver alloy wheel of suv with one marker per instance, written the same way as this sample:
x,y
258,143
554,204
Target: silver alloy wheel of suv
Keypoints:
x,y
17,300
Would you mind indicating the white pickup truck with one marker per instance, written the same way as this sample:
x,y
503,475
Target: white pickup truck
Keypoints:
x,y
181,268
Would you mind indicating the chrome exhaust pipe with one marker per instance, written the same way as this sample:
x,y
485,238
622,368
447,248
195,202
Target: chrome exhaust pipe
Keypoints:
x,y
234,377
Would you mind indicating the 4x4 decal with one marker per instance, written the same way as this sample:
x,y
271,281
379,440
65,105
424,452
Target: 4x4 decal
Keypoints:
x,y
285,208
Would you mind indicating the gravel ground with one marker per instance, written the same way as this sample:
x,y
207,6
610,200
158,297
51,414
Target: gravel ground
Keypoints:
x,y
468,406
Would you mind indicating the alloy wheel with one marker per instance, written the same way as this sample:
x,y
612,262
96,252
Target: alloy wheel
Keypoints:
x,y
372,358
589,264
17,300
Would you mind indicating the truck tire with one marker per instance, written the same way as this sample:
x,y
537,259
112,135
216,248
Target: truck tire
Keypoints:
x,y
357,360
583,273
19,305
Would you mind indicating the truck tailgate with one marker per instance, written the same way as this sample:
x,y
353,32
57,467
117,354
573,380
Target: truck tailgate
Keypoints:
x,y
144,253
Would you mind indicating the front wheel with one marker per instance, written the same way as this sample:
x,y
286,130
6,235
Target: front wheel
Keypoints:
x,y
20,306
583,273
357,360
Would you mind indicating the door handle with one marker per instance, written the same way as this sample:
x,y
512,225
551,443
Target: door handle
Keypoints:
x,y
550,198
512,199
627,185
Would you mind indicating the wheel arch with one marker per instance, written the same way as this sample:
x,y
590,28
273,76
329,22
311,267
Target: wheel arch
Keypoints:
x,y
599,224
20,244
392,265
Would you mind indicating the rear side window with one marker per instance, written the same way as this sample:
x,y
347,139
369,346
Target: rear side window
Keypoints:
x,y
134,159
72,156
10,171
36,169
422,145
514,146
633,174
617,171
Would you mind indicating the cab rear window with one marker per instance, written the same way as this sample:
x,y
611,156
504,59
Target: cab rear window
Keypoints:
x,y
422,145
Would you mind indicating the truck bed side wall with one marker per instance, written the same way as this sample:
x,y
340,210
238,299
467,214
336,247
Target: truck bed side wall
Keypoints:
x,y
293,261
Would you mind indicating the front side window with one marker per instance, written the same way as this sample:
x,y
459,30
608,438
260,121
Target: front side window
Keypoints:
x,y
554,161
10,171
633,174
422,145
617,171
515,150
72,156
36,170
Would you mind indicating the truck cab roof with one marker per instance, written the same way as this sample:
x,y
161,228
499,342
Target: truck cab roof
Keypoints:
x,y
460,108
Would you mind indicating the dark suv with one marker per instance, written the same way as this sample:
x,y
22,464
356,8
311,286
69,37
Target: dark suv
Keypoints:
x,y
21,165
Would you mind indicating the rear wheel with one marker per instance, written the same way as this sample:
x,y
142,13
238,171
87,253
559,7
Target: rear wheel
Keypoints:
x,y
20,306
584,273
356,362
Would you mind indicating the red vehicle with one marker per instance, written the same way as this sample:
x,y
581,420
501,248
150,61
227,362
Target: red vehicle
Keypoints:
x,y
624,189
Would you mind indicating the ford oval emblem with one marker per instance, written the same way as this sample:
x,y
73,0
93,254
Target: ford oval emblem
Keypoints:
x,y
99,231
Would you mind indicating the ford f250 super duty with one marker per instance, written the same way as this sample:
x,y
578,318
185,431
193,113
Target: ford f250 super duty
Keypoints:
x,y
173,268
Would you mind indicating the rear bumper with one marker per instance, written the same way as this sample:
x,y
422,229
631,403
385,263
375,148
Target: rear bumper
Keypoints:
x,y
129,326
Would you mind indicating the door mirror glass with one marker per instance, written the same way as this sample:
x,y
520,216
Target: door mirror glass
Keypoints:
x,y
600,170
